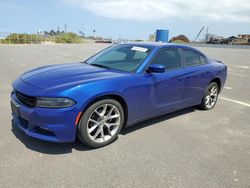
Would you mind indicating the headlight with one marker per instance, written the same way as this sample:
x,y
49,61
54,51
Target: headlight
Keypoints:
x,y
54,102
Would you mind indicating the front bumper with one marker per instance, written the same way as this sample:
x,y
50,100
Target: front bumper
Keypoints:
x,y
55,125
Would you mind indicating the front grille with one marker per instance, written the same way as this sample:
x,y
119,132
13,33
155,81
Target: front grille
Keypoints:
x,y
26,100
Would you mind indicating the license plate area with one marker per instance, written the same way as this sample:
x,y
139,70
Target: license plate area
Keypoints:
x,y
15,108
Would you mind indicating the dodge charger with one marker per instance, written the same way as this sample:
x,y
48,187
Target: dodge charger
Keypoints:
x,y
124,84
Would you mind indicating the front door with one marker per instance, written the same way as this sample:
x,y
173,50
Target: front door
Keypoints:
x,y
164,90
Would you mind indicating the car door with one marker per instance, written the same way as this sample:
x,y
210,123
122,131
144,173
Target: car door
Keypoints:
x,y
163,91
196,77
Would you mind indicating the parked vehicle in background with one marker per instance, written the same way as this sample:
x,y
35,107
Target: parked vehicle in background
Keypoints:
x,y
118,87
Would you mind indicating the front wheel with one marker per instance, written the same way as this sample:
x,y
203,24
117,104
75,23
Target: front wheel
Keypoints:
x,y
210,98
101,123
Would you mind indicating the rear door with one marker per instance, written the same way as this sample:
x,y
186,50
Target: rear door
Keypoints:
x,y
196,78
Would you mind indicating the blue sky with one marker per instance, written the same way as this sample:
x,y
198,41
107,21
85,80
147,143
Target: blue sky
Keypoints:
x,y
134,19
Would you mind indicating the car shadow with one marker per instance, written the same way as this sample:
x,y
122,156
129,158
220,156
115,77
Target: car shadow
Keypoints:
x,y
155,120
64,148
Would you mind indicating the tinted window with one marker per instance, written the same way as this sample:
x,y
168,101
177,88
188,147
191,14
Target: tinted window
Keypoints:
x,y
121,57
202,59
191,58
115,56
140,55
169,57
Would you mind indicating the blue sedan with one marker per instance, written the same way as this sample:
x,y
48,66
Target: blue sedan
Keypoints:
x,y
118,87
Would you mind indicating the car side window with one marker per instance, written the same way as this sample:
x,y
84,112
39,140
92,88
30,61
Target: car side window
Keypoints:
x,y
191,58
202,59
168,57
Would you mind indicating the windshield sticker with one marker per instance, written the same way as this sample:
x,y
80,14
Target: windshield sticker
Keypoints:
x,y
140,49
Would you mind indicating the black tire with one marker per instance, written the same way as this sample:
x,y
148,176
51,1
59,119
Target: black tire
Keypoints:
x,y
83,127
204,105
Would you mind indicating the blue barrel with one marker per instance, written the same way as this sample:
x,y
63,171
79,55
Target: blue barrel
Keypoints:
x,y
161,35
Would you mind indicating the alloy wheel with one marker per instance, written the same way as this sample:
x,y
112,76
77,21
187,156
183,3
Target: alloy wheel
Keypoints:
x,y
103,123
212,96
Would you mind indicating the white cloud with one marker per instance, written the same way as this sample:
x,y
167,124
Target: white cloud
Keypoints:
x,y
153,10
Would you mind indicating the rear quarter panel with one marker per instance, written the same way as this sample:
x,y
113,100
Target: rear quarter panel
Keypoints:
x,y
198,78
218,70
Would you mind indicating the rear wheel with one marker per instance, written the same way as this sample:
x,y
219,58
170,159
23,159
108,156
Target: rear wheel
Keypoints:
x,y
101,123
210,98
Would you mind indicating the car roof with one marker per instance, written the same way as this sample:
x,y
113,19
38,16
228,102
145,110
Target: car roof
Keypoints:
x,y
154,44
161,44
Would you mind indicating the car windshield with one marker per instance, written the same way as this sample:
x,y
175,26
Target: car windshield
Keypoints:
x,y
121,57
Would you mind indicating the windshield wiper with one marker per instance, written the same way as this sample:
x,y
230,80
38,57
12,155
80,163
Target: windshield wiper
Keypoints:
x,y
99,65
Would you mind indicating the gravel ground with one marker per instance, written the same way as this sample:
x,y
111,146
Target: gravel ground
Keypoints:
x,y
188,148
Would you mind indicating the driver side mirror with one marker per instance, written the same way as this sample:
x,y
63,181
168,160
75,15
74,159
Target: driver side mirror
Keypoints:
x,y
156,68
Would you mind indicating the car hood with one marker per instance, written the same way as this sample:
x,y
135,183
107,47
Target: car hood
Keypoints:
x,y
67,74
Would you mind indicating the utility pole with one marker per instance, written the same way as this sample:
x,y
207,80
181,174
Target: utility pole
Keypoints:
x,y
82,31
65,28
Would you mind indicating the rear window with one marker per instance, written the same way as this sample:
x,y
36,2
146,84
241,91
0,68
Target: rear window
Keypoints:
x,y
191,58
202,59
